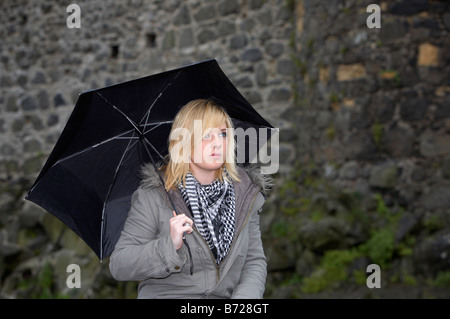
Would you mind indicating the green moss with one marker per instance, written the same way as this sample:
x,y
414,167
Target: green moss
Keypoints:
x,y
442,279
377,134
292,280
334,97
40,286
290,210
330,132
392,75
405,248
334,265
310,43
380,247
332,269
317,215
300,65
433,223
45,280
360,277
344,49
409,280
381,205
284,229
290,5
307,195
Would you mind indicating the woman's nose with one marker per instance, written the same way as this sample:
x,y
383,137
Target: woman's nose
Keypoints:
x,y
216,141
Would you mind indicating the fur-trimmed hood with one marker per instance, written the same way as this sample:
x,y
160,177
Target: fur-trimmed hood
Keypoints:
x,y
151,179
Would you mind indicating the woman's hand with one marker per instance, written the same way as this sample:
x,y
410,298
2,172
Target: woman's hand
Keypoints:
x,y
179,224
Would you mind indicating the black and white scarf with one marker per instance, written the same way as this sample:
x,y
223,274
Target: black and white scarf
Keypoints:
x,y
213,210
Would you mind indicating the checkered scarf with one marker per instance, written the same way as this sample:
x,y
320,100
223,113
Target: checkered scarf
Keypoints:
x,y
213,209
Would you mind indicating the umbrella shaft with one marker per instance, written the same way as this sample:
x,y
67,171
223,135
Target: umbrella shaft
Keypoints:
x,y
144,142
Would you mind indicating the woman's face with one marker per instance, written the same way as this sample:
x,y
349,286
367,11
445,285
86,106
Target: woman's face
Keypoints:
x,y
210,153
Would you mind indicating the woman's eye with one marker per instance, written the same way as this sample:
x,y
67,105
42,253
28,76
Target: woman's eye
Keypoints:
x,y
207,136
223,134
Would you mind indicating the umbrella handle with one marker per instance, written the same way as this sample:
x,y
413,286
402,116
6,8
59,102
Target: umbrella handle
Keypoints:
x,y
184,234
190,256
170,199
189,249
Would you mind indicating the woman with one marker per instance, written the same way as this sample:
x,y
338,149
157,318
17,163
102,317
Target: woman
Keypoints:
x,y
218,205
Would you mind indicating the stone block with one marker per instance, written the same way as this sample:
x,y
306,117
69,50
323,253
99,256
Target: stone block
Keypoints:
x,y
434,144
28,103
428,55
186,39
446,168
438,196
349,170
205,13
414,109
279,95
392,31
408,7
398,141
227,7
59,100
183,16
252,55
384,176
360,145
206,36
226,28
238,42
348,72
274,49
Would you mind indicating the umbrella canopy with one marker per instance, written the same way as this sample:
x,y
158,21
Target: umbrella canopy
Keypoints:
x,y
93,170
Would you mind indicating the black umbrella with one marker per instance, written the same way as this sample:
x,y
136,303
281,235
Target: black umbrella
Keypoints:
x,y
93,170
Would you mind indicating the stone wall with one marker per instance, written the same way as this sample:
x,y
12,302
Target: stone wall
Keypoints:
x,y
371,182
45,65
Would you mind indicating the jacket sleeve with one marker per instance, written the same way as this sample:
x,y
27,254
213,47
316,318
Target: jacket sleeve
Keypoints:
x,y
141,251
253,278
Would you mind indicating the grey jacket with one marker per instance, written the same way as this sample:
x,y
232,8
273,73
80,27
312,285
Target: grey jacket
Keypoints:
x,y
145,251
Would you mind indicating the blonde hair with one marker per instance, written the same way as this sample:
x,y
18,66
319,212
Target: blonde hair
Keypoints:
x,y
211,115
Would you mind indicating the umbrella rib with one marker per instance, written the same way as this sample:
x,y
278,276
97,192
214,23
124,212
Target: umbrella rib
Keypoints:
x,y
109,192
157,125
98,144
147,115
136,127
151,145
127,138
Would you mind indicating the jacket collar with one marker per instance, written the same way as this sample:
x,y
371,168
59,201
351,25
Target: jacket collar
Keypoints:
x,y
251,182
249,174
